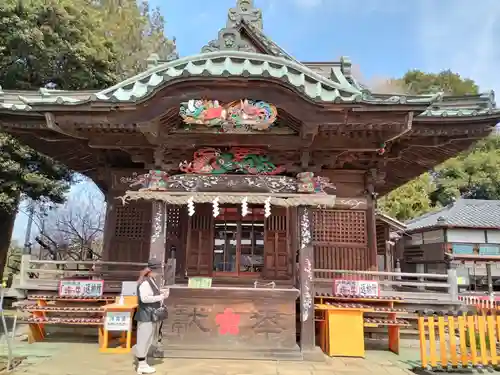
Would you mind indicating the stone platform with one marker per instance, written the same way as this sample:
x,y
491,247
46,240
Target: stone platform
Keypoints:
x,y
49,358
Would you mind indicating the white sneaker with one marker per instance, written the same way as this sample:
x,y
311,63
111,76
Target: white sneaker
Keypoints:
x,y
144,368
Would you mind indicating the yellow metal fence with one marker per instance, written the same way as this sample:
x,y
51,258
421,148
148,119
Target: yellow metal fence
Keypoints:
x,y
451,340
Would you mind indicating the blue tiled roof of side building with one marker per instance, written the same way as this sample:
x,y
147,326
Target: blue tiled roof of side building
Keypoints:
x,y
464,213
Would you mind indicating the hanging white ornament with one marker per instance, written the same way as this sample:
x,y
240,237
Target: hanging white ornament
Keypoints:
x,y
215,207
244,207
267,207
190,206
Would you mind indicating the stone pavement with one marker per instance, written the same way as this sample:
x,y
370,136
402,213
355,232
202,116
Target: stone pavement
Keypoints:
x,y
47,358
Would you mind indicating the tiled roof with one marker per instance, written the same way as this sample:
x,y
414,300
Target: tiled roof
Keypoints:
x,y
214,64
392,222
243,50
464,213
463,106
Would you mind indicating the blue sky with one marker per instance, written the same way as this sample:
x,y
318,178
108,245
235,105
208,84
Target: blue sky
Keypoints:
x,y
383,38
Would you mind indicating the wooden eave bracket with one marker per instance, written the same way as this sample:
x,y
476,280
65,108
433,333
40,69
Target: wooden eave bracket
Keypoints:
x,y
308,134
406,128
150,130
50,122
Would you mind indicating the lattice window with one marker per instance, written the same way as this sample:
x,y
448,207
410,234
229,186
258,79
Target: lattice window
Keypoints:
x,y
132,221
277,221
173,218
339,226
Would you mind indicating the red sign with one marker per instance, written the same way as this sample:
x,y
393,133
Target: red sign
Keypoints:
x,y
356,287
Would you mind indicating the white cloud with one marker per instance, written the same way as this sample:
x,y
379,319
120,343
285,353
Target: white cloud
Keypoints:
x,y
462,35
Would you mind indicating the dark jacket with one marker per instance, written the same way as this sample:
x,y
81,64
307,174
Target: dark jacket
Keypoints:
x,y
144,310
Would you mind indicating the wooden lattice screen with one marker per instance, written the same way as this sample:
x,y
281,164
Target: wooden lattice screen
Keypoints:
x,y
176,228
131,232
382,236
130,222
340,240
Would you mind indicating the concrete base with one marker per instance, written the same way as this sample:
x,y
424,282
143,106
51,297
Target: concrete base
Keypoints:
x,y
315,355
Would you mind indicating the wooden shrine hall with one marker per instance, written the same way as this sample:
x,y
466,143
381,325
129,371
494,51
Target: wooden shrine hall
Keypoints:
x,y
248,167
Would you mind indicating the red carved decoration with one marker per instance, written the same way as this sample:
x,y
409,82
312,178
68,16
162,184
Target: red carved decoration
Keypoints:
x,y
228,322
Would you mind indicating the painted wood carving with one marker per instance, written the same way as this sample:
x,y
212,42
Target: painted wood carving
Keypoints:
x,y
308,183
235,160
238,116
154,180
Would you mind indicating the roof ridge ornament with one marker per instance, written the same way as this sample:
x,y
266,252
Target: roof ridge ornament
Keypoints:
x,y
152,60
174,54
228,39
244,11
346,66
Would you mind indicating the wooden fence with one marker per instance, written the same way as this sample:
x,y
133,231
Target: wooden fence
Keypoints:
x,y
46,274
449,341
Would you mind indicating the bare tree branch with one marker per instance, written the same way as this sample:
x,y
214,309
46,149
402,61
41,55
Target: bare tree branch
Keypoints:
x,y
76,229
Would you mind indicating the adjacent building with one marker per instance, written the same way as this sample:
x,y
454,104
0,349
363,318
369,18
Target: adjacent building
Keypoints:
x,y
464,235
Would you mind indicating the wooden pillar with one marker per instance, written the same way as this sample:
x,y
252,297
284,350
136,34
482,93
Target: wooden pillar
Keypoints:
x,y
489,278
157,251
157,245
371,235
109,224
306,266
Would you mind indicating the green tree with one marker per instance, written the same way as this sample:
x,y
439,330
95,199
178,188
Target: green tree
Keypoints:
x,y
410,200
69,45
451,179
417,82
474,174
52,42
136,30
45,42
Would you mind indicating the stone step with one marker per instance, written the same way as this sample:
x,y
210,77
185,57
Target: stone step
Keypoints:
x,y
244,354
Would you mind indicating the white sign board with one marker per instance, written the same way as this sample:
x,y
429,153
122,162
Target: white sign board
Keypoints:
x,y
344,287
129,288
118,321
365,288
368,288
81,288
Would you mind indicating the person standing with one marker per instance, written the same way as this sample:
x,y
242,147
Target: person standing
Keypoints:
x,y
150,312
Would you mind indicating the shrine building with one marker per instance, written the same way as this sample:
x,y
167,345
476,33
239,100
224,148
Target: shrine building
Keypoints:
x,y
249,167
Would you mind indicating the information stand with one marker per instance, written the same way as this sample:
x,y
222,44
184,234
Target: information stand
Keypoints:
x,y
354,305
343,335
118,318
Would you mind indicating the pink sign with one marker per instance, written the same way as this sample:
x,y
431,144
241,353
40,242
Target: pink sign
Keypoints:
x,y
354,287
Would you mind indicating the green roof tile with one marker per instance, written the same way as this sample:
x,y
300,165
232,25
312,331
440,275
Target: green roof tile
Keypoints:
x,y
219,64
232,56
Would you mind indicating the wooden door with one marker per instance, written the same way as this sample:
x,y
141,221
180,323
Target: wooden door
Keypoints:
x,y
278,261
200,242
